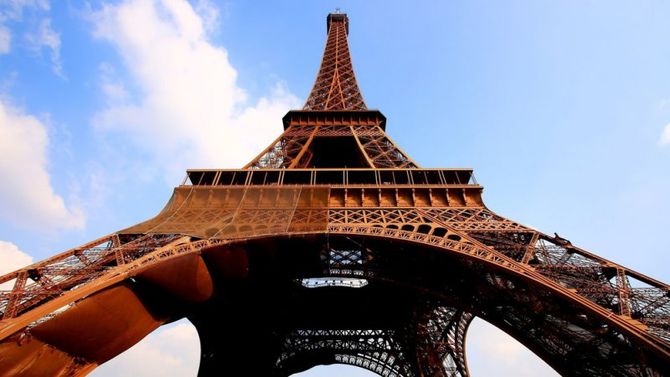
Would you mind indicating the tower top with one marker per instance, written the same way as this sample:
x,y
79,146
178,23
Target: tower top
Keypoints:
x,y
339,17
335,87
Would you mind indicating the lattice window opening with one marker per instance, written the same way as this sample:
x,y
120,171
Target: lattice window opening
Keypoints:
x,y
658,328
334,282
560,330
60,269
549,252
588,282
25,302
450,365
274,157
603,296
373,365
50,280
644,300
649,302
500,281
633,282
374,341
577,277
6,287
651,306
473,219
344,262
511,244
4,300
342,267
345,257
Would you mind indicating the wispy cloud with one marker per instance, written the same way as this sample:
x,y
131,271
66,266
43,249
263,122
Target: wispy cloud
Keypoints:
x,y
114,90
209,13
12,10
188,110
27,197
15,8
46,38
5,40
665,136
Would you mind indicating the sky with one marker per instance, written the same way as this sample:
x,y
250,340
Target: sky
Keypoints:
x,y
562,109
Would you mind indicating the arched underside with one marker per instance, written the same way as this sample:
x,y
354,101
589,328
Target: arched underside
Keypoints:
x,y
412,307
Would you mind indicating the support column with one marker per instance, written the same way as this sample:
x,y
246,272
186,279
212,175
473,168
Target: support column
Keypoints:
x,y
441,342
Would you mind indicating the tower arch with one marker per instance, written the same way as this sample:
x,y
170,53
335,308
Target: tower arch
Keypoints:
x,y
333,246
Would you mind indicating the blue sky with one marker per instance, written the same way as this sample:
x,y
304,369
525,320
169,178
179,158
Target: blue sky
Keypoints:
x,y
561,107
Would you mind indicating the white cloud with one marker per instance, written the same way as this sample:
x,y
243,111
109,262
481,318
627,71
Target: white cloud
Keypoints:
x,y
46,37
491,352
188,110
665,136
173,350
11,259
27,198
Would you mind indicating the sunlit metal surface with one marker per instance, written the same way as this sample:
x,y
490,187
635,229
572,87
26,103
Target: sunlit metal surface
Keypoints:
x,y
333,203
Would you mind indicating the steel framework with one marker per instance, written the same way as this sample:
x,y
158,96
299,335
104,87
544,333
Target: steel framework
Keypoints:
x,y
333,246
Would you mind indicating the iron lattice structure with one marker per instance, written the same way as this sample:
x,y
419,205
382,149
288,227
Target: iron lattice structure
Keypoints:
x,y
333,246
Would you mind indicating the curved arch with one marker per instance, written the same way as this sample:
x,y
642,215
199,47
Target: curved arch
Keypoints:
x,y
368,349
127,282
469,249
327,370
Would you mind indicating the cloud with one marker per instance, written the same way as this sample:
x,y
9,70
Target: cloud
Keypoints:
x,y
46,38
172,350
27,198
11,259
186,109
115,92
665,135
209,14
491,352
5,40
13,11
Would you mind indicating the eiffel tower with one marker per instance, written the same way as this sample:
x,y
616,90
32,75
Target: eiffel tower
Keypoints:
x,y
333,246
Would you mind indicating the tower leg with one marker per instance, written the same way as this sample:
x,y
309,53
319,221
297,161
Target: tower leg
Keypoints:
x,y
441,342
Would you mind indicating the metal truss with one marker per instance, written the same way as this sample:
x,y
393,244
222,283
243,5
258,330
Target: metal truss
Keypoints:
x,y
442,342
295,149
382,152
375,350
49,279
415,250
335,87
593,282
